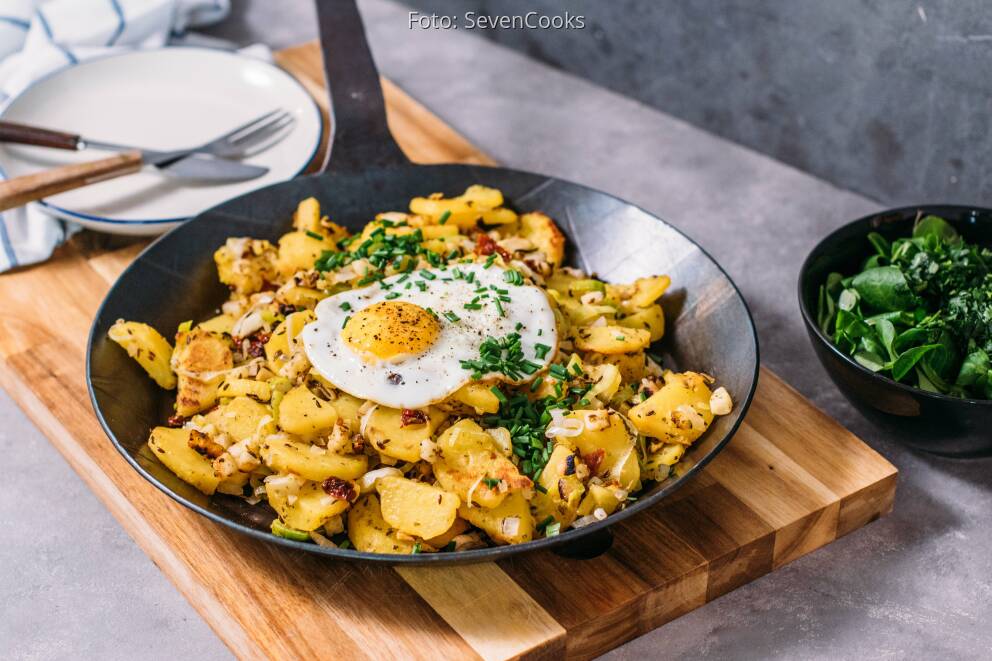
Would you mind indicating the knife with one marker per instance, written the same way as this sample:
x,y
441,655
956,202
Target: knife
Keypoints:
x,y
185,164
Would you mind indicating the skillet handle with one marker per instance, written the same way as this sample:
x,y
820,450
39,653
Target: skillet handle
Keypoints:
x,y
360,136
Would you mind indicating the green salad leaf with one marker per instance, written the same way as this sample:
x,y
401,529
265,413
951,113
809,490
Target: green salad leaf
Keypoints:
x,y
919,310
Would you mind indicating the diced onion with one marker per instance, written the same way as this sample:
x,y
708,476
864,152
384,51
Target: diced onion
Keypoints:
x,y
591,298
502,437
692,415
600,321
720,402
428,450
320,540
620,494
599,513
510,525
248,324
367,482
468,496
365,419
597,420
584,521
562,426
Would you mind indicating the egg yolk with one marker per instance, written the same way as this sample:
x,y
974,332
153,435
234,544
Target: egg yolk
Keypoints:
x,y
391,329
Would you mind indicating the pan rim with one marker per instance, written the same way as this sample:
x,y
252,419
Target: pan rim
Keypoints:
x,y
458,557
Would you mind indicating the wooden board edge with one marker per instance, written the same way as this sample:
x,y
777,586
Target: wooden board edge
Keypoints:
x,y
128,516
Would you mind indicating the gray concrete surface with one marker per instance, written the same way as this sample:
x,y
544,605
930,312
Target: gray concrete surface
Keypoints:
x,y
887,98
917,584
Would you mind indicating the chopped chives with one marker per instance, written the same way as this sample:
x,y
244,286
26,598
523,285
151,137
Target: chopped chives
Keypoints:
x,y
427,275
346,320
541,350
390,296
451,316
499,394
443,218
346,306
489,261
314,235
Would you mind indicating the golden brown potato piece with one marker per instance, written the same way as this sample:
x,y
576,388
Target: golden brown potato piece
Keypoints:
x,y
562,487
416,508
303,413
200,360
303,504
612,340
369,532
510,522
389,435
310,461
245,265
607,446
148,348
544,234
472,461
172,448
679,412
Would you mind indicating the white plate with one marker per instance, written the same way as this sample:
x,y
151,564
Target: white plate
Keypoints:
x,y
158,99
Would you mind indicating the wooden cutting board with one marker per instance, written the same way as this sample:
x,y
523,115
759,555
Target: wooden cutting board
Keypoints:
x,y
791,481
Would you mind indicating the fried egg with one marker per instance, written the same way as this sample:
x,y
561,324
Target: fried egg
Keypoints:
x,y
402,341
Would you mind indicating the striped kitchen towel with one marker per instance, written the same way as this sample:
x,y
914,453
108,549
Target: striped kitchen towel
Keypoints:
x,y
38,37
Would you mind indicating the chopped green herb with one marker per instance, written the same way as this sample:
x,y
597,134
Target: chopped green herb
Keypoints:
x,y
416,547
391,295
314,235
546,521
346,306
443,218
552,529
513,276
621,338
451,316
504,356
541,350
489,261
346,320
346,544
491,482
499,394
427,275
280,529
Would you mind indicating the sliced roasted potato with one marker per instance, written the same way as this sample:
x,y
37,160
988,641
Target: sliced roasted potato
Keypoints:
x,y
303,504
301,412
201,358
369,532
416,508
242,418
311,461
148,347
544,234
259,390
510,522
650,318
479,396
599,497
607,446
611,340
649,290
562,488
679,412
299,250
472,466
245,264
172,448
385,429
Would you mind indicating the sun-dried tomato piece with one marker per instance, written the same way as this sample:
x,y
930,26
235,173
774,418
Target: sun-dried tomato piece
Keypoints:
x,y
335,487
256,344
412,417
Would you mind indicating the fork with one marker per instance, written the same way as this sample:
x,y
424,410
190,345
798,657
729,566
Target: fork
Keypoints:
x,y
237,142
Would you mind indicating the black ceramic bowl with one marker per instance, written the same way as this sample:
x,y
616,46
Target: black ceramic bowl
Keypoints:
x,y
926,421
710,328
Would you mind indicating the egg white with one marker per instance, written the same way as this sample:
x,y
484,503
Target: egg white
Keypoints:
x,y
417,381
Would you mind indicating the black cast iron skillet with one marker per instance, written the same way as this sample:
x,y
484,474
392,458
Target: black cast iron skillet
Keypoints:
x,y
174,279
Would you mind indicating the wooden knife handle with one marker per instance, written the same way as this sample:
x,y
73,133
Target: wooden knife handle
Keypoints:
x,y
30,187
32,135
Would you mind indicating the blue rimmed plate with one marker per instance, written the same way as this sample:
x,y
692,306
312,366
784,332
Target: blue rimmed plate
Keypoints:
x,y
159,99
